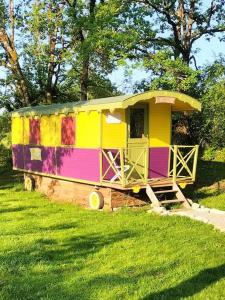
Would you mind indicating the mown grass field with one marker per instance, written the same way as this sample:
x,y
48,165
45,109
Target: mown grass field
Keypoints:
x,y
58,251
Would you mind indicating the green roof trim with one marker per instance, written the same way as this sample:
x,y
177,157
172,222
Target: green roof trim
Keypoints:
x,y
110,103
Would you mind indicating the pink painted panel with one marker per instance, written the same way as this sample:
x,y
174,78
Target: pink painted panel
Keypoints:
x,y
158,162
72,163
78,163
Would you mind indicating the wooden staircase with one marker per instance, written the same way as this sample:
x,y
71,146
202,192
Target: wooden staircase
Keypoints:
x,y
166,195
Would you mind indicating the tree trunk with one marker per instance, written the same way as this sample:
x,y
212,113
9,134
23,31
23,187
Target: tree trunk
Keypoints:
x,y
84,79
51,70
14,66
12,20
21,85
186,53
86,59
12,60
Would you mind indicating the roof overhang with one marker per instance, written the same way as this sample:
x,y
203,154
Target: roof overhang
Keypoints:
x,y
178,102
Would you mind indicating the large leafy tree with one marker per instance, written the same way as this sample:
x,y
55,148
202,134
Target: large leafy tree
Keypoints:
x,y
62,50
178,24
167,49
46,47
9,57
92,27
211,128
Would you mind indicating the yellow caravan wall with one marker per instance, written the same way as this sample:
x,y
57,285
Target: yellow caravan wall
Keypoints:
x,y
50,130
88,129
17,130
159,125
114,135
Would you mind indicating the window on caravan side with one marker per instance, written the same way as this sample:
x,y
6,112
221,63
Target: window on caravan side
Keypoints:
x,y
68,131
34,137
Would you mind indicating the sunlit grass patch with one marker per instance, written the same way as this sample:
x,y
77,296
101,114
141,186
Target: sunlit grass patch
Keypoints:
x,y
59,251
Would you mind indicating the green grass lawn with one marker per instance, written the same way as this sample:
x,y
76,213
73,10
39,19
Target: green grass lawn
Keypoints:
x,y
58,251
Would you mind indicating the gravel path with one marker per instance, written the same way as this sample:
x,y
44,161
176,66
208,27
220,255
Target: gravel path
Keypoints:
x,y
210,216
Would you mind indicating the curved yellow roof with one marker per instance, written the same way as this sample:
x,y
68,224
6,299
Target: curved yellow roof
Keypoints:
x,y
178,102
182,102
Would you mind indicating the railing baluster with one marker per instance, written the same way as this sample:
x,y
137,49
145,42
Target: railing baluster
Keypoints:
x,y
170,167
122,167
146,164
195,163
175,164
101,165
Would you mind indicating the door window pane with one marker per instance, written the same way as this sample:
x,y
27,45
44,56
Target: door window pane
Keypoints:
x,y
137,123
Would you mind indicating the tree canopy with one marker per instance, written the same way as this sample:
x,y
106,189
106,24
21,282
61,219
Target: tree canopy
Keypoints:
x,y
56,51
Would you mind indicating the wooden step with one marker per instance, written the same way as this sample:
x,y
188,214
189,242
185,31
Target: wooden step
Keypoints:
x,y
152,194
171,201
165,191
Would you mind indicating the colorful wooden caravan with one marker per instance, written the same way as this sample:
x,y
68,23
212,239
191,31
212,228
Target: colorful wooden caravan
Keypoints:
x,y
97,151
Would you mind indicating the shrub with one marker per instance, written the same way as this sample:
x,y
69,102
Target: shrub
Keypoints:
x,y
213,154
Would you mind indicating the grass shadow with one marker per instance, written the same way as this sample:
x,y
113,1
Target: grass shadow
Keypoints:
x,y
56,258
61,226
118,281
15,209
191,286
81,246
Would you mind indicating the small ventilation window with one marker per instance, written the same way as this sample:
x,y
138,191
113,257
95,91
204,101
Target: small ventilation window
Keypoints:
x,y
68,131
34,137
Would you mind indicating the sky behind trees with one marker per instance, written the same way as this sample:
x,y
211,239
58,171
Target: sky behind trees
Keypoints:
x,y
207,53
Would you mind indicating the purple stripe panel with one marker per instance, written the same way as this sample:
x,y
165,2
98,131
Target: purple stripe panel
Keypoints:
x,y
73,163
158,162
17,155
78,163
45,165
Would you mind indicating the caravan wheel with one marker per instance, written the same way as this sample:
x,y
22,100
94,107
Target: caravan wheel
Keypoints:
x,y
29,183
96,200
